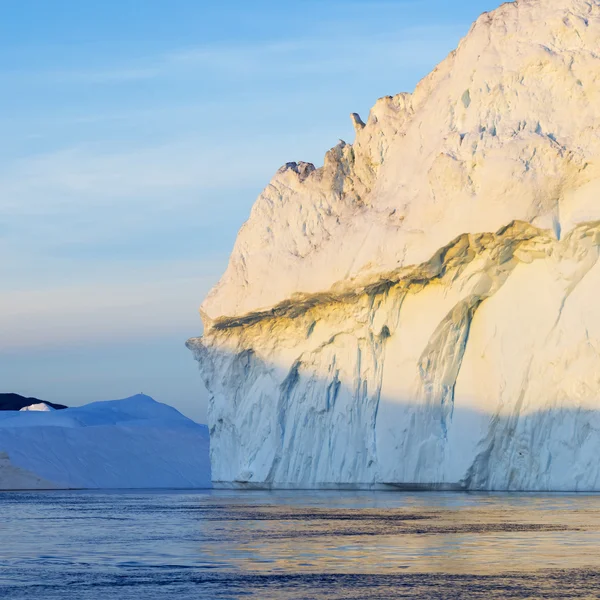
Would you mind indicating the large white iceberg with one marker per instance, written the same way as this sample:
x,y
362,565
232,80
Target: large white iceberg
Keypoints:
x,y
131,443
423,309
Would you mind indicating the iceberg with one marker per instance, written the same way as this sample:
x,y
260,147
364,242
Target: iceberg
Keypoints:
x,y
421,311
131,443
40,407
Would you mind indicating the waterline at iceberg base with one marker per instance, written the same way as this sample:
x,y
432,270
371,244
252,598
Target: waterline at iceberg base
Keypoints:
x,y
422,311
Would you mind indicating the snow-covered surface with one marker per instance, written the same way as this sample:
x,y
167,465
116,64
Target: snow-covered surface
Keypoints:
x,y
422,310
130,443
40,407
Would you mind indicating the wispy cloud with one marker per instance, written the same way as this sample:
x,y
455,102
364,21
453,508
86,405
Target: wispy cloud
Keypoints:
x,y
130,300
85,176
335,52
110,75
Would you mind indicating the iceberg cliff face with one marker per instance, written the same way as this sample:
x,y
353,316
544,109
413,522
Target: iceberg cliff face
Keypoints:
x,y
422,309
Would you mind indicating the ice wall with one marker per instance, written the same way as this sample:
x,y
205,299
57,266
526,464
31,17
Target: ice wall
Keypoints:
x,y
421,310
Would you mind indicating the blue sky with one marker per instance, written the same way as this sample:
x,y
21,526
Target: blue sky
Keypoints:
x,y
135,136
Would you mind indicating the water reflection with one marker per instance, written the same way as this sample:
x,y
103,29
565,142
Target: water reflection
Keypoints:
x,y
282,545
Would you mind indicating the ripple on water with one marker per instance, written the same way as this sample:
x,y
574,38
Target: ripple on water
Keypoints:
x,y
225,544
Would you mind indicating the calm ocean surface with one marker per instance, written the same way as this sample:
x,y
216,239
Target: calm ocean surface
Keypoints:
x,y
361,545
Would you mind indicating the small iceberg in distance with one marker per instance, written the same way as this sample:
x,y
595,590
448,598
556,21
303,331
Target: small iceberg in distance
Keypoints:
x,y
131,443
39,407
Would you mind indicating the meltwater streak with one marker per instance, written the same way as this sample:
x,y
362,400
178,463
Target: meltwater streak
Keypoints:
x,y
292,545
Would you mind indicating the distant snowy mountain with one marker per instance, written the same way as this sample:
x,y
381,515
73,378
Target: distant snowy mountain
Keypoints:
x,y
131,443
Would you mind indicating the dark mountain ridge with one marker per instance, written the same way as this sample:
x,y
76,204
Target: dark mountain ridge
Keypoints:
x,y
17,402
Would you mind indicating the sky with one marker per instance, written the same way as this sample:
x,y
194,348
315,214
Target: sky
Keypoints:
x,y
135,136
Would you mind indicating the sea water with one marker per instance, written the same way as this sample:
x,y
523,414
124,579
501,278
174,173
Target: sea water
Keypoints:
x,y
270,545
